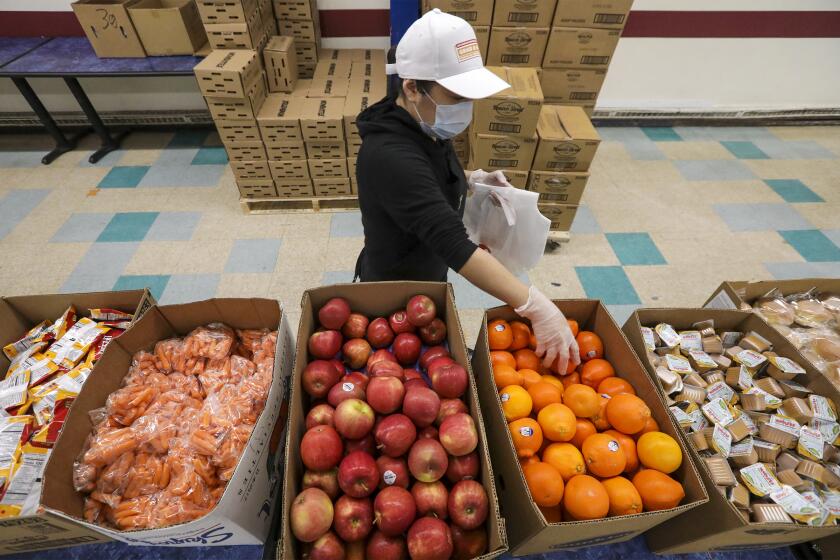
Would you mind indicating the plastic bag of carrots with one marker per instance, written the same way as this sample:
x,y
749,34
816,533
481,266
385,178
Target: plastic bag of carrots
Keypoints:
x,y
167,442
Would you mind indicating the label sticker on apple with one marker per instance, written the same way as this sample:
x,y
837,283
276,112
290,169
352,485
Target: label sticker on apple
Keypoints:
x,y
390,477
347,387
526,431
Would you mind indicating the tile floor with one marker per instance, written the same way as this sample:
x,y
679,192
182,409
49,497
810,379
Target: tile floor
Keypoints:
x,y
668,214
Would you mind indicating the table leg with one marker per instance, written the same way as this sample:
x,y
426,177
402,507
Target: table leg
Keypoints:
x,y
62,143
109,142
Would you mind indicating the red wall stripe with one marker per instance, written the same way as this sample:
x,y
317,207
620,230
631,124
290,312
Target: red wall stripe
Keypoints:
x,y
39,24
355,23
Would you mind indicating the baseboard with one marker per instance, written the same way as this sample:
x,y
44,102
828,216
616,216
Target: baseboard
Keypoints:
x,y
153,119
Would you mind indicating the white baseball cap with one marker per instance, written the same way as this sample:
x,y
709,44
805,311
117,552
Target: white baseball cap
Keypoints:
x,y
442,48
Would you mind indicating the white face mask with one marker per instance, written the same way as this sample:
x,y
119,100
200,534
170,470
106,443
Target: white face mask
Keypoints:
x,y
450,120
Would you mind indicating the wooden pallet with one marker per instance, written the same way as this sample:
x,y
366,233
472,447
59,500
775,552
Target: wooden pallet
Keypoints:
x,y
309,204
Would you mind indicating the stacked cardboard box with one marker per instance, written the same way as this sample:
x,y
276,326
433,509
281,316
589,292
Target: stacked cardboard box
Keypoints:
x,y
520,32
237,24
299,19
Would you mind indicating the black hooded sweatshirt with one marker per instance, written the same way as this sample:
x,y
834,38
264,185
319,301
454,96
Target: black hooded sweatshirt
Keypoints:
x,y
412,191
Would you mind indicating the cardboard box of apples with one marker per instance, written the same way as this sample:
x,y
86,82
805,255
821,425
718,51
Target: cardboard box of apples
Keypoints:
x,y
386,456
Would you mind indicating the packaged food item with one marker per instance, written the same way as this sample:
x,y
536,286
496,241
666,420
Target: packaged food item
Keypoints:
x,y
25,482
32,337
74,345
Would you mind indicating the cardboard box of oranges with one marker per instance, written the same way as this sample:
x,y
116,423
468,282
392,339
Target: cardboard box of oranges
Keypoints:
x,y
587,458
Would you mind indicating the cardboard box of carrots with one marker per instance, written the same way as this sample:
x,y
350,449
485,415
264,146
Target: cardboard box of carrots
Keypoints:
x,y
584,457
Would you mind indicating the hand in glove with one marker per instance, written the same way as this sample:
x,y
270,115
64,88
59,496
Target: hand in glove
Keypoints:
x,y
555,341
493,178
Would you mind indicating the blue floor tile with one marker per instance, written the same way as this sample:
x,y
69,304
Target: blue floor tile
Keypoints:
x,y
635,248
128,226
155,282
644,150
336,277
793,190
761,217
210,155
833,234
183,288
82,226
173,226
661,134
714,170
609,284
718,133
189,137
621,313
346,224
790,271
253,255
162,176
794,149
100,267
124,177
22,158
16,205
813,245
181,156
742,149
468,296
585,221
621,133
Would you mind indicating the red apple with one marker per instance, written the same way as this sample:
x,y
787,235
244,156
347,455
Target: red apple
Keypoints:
x,y
383,354
385,394
382,547
421,310
414,384
431,498
311,514
325,344
392,472
339,365
448,380
457,434
422,405
399,322
394,510
320,448
463,467
356,377
429,539
358,475
353,518
387,369
334,313
429,432
431,354
468,504
439,362
433,333
320,415
355,550
356,352
328,547
411,373
366,444
448,407
355,326
354,419
319,377
379,333
468,544
344,390
427,460
395,435
325,480
407,348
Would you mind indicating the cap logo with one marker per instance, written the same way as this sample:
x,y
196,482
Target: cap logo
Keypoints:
x,y
467,50
566,149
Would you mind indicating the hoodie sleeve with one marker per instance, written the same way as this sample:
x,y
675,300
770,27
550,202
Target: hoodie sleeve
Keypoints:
x,y
407,188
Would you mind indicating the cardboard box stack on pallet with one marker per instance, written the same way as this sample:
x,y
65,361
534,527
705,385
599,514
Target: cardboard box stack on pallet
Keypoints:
x,y
299,19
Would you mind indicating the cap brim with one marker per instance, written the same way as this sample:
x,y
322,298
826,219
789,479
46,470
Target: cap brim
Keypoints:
x,y
475,84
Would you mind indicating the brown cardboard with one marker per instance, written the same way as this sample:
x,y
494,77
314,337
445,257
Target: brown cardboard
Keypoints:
x,y
225,11
518,179
570,47
517,46
228,73
279,118
302,29
561,215
246,151
295,9
280,59
307,54
610,14
239,108
741,293
256,188
328,168
286,150
250,34
335,186
374,56
328,68
692,532
566,188
238,131
322,119
294,188
328,87
168,27
289,169
523,13
528,531
514,110
477,12
568,141
351,168
109,28
490,152
368,78
326,149
355,103
378,299
256,170
354,144
578,86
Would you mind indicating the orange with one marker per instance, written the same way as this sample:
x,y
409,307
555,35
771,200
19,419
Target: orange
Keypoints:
x,y
516,402
628,446
521,335
527,436
558,422
615,385
570,367
570,379
529,377
603,455
532,342
583,429
573,326
504,375
627,413
554,380
499,334
544,394
528,460
600,418
566,458
545,483
586,498
527,359
502,357
659,451
624,498
583,400
552,514
650,426
590,346
595,371
658,490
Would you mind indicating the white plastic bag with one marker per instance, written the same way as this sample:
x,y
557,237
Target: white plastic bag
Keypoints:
x,y
507,223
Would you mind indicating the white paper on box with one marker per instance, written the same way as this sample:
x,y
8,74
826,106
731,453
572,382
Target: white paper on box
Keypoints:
x,y
721,301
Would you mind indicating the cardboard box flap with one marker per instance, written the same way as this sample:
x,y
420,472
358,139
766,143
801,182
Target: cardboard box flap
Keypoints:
x,y
524,83
559,122
737,292
281,108
280,43
322,109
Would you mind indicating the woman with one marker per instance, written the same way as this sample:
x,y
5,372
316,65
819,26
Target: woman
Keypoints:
x,y
412,188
